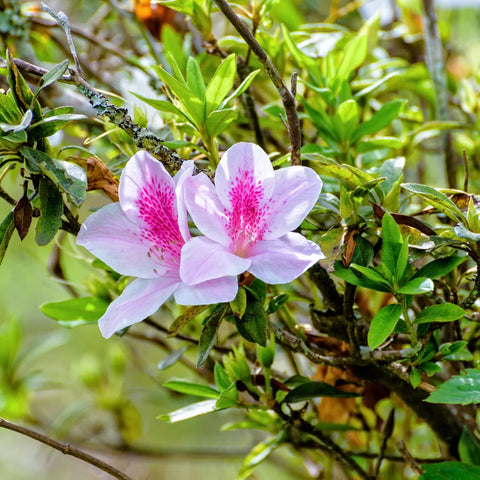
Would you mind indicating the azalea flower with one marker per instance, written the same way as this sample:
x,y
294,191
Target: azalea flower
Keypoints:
x,y
247,218
142,236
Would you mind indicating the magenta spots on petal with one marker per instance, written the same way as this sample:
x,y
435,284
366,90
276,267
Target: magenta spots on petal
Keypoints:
x,y
157,209
246,221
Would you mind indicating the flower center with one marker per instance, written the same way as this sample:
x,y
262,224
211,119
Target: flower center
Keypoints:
x,y
246,219
157,208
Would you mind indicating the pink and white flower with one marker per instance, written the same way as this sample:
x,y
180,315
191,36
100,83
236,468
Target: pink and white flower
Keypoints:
x,y
247,218
142,236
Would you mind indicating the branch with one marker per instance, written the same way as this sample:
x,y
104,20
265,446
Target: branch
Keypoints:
x,y
66,449
288,99
326,286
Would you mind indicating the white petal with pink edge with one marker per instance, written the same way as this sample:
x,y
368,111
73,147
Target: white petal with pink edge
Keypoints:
x,y
296,192
143,297
204,259
244,169
118,242
284,259
205,208
219,290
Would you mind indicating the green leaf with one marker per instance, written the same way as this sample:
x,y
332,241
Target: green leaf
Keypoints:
x,y
354,55
350,277
277,303
379,120
415,377
69,177
376,143
241,88
228,398
164,106
7,227
51,210
208,338
258,454
51,76
383,324
220,84
392,242
186,317
219,120
468,448
345,119
239,304
75,311
310,390
463,232
190,102
221,377
462,389
23,125
449,471
258,289
50,125
437,199
253,325
443,312
194,78
190,411
417,286
440,267
371,274
191,388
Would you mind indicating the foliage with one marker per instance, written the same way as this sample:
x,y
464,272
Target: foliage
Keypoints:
x,y
386,322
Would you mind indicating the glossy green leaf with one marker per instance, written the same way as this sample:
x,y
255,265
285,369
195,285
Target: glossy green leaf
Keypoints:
x,y
164,106
75,311
253,325
415,377
221,378
219,120
371,274
52,76
392,242
208,338
417,286
310,390
220,84
383,324
51,210
191,388
345,119
50,125
437,199
228,397
171,358
185,318
349,276
449,471
190,411
7,227
241,88
463,232
239,303
440,267
463,389
354,55
443,312
194,78
379,120
277,302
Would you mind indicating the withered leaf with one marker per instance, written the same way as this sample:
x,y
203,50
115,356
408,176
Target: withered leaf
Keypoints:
x,y
406,220
22,216
99,176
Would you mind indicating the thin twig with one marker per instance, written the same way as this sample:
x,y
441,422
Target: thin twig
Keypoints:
x,y
65,448
467,171
286,96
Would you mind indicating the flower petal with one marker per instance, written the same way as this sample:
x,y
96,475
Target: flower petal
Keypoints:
x,y
284,259
244,169
139,300
210,292
205,209
185,172
204,259
143,177
118,242
296,191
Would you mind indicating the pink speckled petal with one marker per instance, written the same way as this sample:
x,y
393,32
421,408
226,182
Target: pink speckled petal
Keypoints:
x,y
139,300
205,208
296,191
244,169
204,259
115,240
207,293
185,172
284,259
